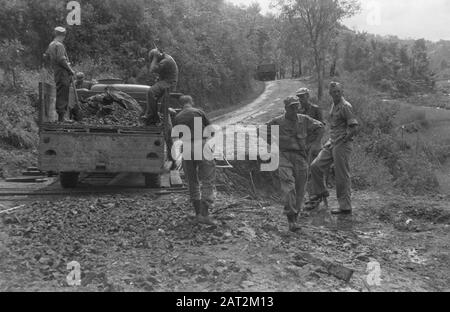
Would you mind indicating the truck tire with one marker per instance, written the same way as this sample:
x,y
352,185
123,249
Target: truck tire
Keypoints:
x,y
152,180
69,179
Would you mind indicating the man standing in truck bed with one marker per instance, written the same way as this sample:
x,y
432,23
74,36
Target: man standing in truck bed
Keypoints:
x,y
56,57
165,66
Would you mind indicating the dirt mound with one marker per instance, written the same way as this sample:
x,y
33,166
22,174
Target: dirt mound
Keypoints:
x,y
414,215
114,115
246,178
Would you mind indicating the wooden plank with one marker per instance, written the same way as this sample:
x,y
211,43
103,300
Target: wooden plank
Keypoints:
x,y
334,269
33,173
26,180
165,180
175,178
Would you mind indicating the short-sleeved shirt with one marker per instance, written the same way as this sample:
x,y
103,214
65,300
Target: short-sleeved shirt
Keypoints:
x,y
167,69
297,135
341,117
187,117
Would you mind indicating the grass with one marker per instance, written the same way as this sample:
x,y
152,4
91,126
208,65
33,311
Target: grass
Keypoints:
x,y
381,159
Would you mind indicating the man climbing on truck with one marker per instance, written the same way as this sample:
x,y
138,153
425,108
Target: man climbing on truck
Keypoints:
x,y
165,66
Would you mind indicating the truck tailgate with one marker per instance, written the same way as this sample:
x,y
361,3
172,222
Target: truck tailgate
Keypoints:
x,y
101,149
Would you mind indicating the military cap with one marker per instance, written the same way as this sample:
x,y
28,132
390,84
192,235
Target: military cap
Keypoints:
x,y
60,30
302,91
335,86
291,101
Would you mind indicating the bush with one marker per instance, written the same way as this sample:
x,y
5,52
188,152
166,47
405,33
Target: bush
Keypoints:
x,y
98,69
387,85
416,176
368,172
17,125
381,158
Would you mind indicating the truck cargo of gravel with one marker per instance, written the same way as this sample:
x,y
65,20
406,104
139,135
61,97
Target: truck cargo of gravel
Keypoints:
x,y
73,148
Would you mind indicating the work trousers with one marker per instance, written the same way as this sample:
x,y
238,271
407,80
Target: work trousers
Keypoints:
x,y
155,93
62,81
338,154
312,155
293,173
200,176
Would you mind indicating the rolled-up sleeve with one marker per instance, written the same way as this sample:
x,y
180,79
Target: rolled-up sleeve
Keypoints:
x,y
315,130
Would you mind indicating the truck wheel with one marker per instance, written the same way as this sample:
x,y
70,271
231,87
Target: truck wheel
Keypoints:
x,y
152,180
68,179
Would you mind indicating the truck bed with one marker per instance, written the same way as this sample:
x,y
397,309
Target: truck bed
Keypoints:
x,y
80,148
78,128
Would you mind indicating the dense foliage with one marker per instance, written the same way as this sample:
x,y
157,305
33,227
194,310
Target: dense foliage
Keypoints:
x,y
216,45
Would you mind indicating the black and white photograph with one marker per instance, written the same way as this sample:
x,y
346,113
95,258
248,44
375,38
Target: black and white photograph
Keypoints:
x,y
225,151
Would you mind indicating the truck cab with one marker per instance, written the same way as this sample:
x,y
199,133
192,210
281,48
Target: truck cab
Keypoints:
x,y
266,72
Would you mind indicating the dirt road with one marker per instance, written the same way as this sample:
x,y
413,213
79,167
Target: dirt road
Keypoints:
x,y
146,242
269,103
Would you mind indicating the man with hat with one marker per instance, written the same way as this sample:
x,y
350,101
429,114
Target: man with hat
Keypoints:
x,y
56,57
313,111
296,133
337,151
165,66
307,108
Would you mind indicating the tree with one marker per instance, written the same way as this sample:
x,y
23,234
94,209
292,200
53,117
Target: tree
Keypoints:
x,y
10,53
292,42
320,19
404,56
420,60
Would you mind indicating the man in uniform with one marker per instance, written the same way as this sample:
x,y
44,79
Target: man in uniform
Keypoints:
x,y
200,174
56,56
165,66
337,151
313,111
297,132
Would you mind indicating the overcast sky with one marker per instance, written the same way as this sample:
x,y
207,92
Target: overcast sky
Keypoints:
x,y
415,19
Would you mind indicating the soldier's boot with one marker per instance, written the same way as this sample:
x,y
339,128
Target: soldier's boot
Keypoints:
x,y
292,221
197,208
314,201
204,218
62,118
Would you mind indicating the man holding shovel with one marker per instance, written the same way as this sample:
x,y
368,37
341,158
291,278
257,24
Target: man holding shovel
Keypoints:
x,y
56,56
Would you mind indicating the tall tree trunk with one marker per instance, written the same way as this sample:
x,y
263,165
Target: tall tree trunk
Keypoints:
x,y
292,68
300,71
320,83
319,71
14,78
335,58
323,64
333,69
